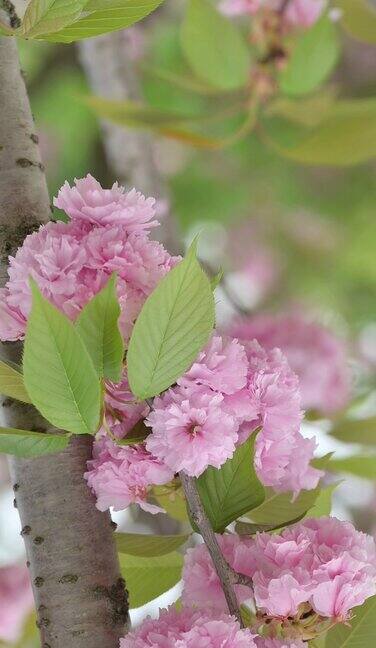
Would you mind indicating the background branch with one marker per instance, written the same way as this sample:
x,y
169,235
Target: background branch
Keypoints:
x,y
80,597
111,72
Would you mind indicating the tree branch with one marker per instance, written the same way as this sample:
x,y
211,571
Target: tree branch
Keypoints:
x,y
227,576
112,73
80,597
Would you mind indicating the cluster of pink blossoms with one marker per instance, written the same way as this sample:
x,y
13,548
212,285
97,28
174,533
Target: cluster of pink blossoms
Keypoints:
x,y
298,13
108,232
189,629
323,566
229,392
16,601
313,352
309,576
120,476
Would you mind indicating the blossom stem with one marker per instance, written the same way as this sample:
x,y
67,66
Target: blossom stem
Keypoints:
x,y
224,571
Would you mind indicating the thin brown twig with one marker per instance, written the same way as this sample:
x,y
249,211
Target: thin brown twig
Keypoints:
x,y
227,576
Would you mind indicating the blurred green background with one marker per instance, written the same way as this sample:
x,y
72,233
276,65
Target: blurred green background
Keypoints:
x,y
319,221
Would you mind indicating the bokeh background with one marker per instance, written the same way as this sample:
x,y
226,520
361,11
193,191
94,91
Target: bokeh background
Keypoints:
x,y
286,235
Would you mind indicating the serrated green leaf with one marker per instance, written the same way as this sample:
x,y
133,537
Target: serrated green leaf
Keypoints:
x,y
358,17
347,136
360,632
216,280
314,55
98,327
46,16
102,17
232,490
356,431
173,326
214,47
148,578
12,384
58,372
361,466
148,546
23,443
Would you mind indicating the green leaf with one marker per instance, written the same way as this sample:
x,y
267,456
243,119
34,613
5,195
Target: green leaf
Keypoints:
x,y
359,632
358,19
360,466
102,17
278,509
98,327
59,375
314,55
214,47
164,122
232,490
23,443
131,113
148,578
356,431
148,546
12,384
172,500
46,16
347,136
323,504
173,326
216,280
308,111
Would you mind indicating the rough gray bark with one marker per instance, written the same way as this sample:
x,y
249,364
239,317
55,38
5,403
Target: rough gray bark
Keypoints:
x,y
80,597
112,74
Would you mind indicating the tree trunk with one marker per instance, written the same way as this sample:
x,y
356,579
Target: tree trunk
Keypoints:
x,y
80,597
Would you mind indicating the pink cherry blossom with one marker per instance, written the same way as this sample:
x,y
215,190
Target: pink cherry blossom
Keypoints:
x,y
16,601
72,261
316,355
87,201
222,366
201,583
199,422
189,629
327,562
323,563
122,475
191,429
282,455
122,409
